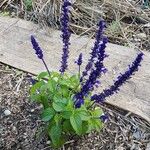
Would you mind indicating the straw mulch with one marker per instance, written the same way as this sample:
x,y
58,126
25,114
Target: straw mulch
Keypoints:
x,y
128,21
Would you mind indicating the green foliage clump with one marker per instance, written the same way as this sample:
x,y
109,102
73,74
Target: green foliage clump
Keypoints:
x,y
56,94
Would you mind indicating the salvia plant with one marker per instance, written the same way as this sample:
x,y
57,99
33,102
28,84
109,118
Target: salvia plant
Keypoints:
x,y
67,99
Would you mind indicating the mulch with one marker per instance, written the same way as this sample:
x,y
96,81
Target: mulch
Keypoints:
x,y
23,129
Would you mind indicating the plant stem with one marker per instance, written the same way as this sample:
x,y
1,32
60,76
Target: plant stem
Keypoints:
x,y
46,66
91,105
79,71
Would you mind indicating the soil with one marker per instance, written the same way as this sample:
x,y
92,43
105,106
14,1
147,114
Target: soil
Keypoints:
x,y
22,129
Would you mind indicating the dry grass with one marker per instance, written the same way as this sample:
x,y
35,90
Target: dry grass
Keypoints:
x,y
126,19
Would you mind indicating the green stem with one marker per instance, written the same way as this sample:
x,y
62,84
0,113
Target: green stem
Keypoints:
x,y
91,105
79,71
46,66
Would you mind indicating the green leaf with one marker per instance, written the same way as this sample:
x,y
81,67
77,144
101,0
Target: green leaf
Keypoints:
x,y
35,97
43,75
44,88
65,91
67,127
76,123
97,112
36,87
52,85
58,106
55,74
40,98
65,82
48,114
85,115
55,135
44,100
58,119
66,114
64,101
94,124
74,80
58,99
88,102
70,105
85,127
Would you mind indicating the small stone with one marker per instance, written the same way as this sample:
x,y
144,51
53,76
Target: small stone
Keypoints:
x,y
14,128
40,107
137,135
147,25
48,142
7,112
148,146
32,110
141,35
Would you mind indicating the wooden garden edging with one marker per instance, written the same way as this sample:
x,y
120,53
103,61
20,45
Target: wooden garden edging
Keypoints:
x,y
16,51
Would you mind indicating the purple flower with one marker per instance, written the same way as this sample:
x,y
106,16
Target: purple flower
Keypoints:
x,y
95,73
79,61
104,118
38,52
78,103
97,83
36,47
99,36
33,81
65,34
121,79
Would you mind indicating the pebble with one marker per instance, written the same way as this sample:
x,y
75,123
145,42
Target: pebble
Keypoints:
x,y
48,142
14,129
7,112
141,35
148,146
32,110
147,25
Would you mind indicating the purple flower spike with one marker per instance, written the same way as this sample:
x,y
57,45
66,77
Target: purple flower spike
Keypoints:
x,y
79,61
95,73
78,103
121,79
99,37
94,52
38,50
65,34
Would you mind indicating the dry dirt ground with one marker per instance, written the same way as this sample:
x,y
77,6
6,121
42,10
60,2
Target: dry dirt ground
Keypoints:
x,y
22,129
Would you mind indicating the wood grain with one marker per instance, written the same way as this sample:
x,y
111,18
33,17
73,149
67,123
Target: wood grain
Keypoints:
x,y
16,50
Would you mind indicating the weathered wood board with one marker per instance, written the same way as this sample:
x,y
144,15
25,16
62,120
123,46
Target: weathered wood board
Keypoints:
x,y
16,50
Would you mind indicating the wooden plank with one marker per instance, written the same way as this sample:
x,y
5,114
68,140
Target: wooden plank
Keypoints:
x,y
16,50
